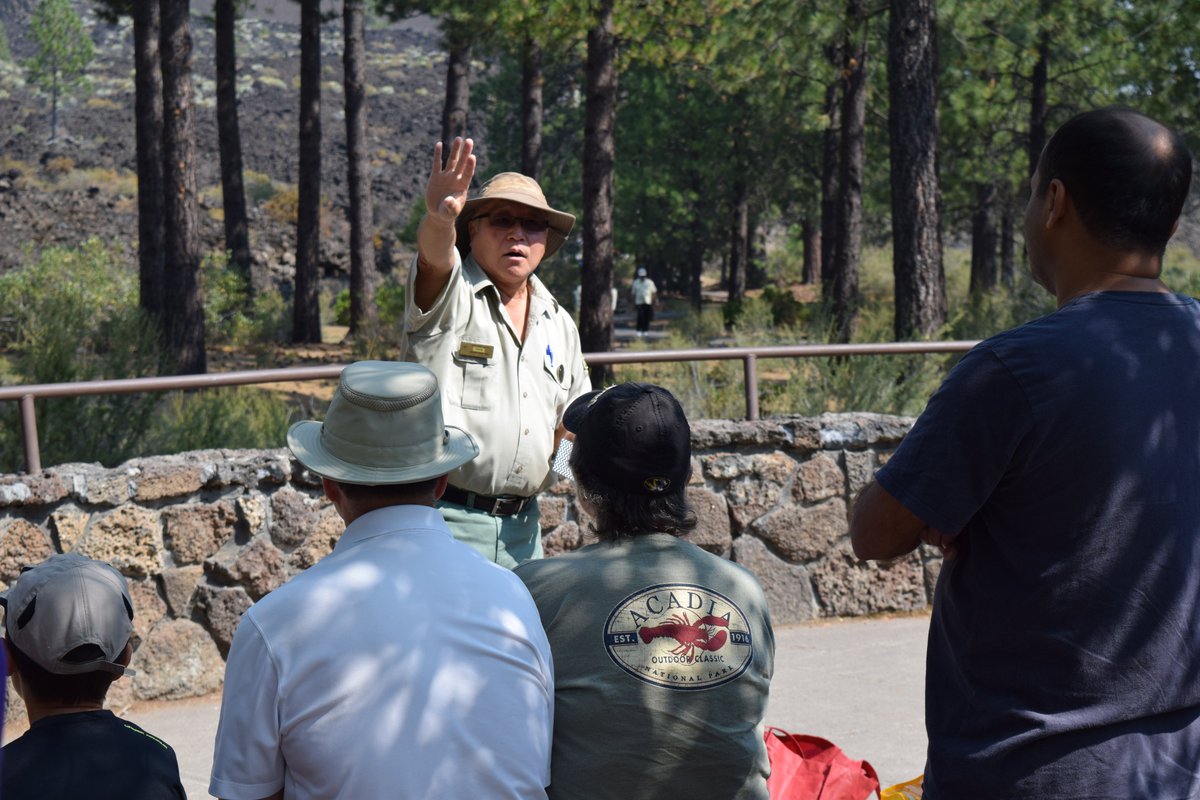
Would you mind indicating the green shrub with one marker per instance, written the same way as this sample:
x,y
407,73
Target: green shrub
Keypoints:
x,y
229,417
1181,270
282,205
981,316
259,187
786,310
226,292
808,386
389,303
73,316
341,307
390,299
231,317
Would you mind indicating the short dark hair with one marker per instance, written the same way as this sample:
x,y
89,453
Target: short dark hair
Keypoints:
x,y
398,492
619,515
1127,175
81,689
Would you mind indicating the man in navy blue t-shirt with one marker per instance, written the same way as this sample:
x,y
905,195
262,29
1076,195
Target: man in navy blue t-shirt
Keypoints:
x,y
1058,467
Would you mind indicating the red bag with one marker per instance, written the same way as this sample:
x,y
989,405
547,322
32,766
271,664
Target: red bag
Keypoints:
x,y
810,768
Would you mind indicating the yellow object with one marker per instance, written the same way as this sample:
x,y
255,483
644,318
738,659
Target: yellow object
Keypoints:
x,y
909,790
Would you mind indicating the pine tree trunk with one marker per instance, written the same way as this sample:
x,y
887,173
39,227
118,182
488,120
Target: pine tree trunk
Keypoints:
x,y
983,240
532,80
458,84
810,235
599,158
756,255
830,170
739,245
148,130
695,257
229,140
920,294
306,310
851,160
364,316
183,307
1037,95
1008,246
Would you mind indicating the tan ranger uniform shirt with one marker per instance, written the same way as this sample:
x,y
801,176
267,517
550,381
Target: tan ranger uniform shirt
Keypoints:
x,y
510,397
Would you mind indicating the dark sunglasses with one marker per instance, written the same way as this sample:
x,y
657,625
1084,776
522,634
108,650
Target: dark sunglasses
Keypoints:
x,y
506,221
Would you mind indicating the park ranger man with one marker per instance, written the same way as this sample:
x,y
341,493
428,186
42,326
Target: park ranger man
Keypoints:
x,y
506,354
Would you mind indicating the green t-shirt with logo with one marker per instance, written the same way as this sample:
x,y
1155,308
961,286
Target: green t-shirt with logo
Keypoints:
x,y
663,655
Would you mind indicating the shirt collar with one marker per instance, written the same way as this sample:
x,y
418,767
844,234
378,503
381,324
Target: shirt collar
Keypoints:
x,y
393,519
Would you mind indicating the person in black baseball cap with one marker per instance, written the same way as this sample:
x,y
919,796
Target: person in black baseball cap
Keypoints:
x,y
68,633
642,620
631,459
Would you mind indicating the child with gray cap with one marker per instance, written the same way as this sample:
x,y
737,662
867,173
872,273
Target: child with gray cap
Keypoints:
x,y
67,631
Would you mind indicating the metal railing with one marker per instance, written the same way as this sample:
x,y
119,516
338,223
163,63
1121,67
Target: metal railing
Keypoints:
x,y
27,394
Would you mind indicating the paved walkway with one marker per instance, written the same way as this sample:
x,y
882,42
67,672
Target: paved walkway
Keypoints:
x,y
858,683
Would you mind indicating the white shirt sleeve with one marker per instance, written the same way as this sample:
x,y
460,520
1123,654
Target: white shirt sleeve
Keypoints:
x,y
248,759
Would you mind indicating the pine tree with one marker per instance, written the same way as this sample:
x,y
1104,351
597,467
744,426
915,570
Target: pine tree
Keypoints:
x,y
64,51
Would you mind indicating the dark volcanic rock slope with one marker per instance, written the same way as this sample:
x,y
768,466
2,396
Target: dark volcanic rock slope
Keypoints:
x,y
84,185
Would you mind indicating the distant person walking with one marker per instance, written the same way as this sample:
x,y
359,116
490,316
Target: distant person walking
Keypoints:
x,y
643,293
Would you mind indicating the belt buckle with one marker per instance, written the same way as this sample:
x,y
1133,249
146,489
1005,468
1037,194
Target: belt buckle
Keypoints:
x,y
495,510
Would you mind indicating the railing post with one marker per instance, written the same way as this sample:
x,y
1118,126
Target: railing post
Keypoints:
x,y
29,434
750,366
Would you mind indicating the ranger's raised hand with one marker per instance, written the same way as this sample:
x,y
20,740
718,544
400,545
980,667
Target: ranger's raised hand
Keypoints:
x,y
446,192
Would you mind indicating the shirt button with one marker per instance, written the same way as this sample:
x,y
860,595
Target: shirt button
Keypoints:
x,y
520,470
524,394
527,431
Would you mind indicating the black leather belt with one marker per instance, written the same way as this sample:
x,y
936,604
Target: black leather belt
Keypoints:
x,y
503,506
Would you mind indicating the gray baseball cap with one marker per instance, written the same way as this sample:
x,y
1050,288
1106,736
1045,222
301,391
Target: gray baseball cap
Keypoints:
x,y
65,602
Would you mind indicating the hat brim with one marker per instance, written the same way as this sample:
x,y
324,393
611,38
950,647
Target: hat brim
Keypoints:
x,y
304,440
560,222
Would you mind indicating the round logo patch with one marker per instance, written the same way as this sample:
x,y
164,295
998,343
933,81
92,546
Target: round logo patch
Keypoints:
x,y
679,635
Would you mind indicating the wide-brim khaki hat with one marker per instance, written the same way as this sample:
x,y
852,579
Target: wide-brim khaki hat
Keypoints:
x,y
384,426
516,188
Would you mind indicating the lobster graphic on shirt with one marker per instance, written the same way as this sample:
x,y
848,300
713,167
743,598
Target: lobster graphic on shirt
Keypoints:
x,y
690,634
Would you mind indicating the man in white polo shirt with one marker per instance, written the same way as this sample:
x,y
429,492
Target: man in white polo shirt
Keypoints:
x,y
403,664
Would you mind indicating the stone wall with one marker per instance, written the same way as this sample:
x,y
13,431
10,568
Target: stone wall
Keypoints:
x,y
203,535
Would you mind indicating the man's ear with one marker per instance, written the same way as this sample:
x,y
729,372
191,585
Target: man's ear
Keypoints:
x,y
336,496
1057,202
440,488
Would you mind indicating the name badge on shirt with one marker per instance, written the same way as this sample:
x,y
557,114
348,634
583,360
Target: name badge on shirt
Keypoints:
x,y
474,350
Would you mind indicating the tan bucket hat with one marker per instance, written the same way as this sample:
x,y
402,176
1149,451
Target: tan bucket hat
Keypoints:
x,y
384,426
517,188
